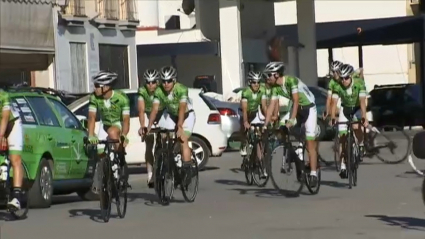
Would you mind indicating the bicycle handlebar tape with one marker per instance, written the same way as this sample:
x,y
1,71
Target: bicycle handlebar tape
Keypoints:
x,y
418,145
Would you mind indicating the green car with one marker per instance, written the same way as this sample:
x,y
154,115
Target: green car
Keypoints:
x,y
54,155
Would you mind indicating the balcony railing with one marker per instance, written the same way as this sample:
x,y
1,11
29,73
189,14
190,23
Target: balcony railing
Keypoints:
x,y
76,8
117,9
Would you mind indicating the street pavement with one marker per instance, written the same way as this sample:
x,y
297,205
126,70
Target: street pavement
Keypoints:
x,y
386,204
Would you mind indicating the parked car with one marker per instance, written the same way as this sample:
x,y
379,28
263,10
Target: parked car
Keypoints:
x,y
207,138
400,105
53,151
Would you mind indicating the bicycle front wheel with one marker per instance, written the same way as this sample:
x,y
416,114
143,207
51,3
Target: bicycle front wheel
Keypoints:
x,y
392,145
259,173
160,169
121,190
106,189
190,181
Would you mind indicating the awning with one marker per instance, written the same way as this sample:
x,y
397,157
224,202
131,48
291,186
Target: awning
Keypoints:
x,y
25,62
26,26
386,31
175,49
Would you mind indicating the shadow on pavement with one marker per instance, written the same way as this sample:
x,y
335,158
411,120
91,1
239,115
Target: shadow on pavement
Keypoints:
x,y
403,222
231,182
265,192
334,184
93,214
150,199
236,170
209,168
58,200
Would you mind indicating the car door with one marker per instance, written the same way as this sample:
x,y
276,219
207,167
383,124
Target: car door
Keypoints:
x,y
51,131
78,158
135,149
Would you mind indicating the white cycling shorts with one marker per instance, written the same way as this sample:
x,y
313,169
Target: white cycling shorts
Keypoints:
x,y
188,124
15,138
161,121
309,117
342,128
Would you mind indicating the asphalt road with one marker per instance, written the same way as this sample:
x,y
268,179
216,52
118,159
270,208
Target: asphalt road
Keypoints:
x,y
385,204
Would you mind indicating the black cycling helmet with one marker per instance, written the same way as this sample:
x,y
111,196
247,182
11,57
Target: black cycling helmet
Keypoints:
x,y
168,73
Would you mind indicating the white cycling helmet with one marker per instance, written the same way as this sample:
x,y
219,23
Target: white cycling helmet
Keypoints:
x,y
168,73
275,66
335,65
104,78
254,76
151,75
346,70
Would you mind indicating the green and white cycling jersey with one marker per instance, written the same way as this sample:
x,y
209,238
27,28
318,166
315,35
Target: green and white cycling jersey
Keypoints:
x,y
112,109
291,86
171,101
252,98
15,138
148,98
350,96
5,104
332,86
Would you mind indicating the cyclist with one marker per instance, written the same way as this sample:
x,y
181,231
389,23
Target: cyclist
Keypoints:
x,y
303,108
146,97
253,104
352,92
178,111
114,108
334,82
11,136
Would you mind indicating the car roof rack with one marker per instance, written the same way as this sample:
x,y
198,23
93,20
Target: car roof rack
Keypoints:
x,y
50,91
392,86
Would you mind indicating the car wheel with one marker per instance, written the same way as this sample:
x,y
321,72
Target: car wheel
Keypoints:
x,y
321,130
88,195
201,151
42,190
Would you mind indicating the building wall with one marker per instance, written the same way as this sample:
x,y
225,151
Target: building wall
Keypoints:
x,y
391,71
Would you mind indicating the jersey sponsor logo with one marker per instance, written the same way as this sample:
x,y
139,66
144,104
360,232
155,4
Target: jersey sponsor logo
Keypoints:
x,y
28,148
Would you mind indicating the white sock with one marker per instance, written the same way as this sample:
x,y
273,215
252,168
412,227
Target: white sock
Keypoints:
x,y
343,166
313,173
150,175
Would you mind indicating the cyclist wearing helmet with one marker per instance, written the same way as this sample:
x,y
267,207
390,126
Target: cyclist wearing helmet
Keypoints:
x,y
145,102
333,83
254,106
11,136
303,108
178,111
352,92
114,109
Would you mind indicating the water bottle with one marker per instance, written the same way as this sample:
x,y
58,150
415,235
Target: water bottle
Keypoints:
x,y
300,152
3,171
178,160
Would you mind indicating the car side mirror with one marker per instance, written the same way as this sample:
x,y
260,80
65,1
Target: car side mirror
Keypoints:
x,y
83,121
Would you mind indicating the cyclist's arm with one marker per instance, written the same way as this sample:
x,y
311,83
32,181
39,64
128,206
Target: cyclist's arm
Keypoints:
x,y
154,112
362,96
5,114
276,109
274,102
141,108
92,116
125,116
264,104
244,106
292,83
334,105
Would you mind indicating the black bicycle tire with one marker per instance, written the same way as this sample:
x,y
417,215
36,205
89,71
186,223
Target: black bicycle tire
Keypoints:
x,y
192,198
408,148
335,149
121,188
159,183
348,159
256,159
25,195
249,178
316,189
106,197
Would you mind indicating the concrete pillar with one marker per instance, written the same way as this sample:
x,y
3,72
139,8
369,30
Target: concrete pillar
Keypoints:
x,y
307,57
230,45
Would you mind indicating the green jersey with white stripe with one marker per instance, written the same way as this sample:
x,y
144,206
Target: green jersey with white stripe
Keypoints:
x,y
350,96
291,86
252,98
112,109
172,100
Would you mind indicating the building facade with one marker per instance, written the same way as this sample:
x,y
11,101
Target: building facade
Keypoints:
x,y
212,21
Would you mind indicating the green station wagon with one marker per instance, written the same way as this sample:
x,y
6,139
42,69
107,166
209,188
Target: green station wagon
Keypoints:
x,y
53,154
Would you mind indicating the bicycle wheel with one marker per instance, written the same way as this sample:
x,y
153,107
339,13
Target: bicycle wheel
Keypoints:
x,y
307,178
348,160
355,163
423,191
121,190
160,174
190,182
106,189
24,200
392,145
285,173
259,172
413,165
337,159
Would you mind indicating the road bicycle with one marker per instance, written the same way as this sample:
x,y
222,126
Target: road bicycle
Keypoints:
x,y
113,173
254,164
287,160
6,186
168,172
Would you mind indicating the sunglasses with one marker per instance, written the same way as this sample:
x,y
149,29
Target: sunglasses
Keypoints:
x,y
167,81
269,75
98,85
150,82
255,82
346,78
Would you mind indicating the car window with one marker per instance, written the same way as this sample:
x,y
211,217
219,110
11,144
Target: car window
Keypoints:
x,y
413,94
21,105
84,111
134,111
43,111
320,96
69,120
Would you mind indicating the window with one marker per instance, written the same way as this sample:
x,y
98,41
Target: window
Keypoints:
x,y
42,110
78,82
128,10
26,114
115,58
134,110
76,8
69,120
84,111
